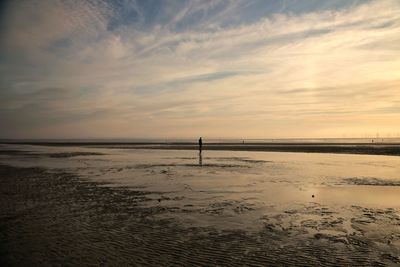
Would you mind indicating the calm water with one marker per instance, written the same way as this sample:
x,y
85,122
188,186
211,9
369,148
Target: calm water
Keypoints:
x,y
221,140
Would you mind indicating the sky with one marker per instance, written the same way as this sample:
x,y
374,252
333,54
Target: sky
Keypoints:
x,y
183,69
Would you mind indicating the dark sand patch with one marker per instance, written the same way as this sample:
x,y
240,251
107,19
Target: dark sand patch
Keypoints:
x,y
55,218
212,165
11,152
238,159
371,181
392,149
72,154
15,152
22,153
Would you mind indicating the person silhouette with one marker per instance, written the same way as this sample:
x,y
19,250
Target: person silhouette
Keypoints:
x,y
200,144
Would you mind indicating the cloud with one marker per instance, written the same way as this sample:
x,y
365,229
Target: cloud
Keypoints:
x,y
206,66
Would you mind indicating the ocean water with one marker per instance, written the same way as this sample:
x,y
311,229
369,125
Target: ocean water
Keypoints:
x,y
212,140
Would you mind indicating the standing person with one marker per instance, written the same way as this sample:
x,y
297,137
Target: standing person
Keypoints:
x,y
200,144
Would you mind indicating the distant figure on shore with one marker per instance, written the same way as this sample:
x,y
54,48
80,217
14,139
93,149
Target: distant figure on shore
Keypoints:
x,y
200,144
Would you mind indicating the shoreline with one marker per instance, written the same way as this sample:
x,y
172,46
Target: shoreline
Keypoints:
x,y
388,149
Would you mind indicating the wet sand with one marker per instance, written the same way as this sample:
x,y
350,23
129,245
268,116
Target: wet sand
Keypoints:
x,y
90,206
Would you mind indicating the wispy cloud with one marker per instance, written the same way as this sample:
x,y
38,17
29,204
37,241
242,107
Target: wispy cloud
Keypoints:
x,y
220,68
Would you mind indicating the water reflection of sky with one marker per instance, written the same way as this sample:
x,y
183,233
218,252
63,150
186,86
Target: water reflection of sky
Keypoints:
x,y
268,177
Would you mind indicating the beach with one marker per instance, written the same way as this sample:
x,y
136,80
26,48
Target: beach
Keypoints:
x,y
168,205
200,133
337,146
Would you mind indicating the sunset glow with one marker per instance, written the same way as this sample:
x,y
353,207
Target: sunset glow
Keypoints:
x,y
178,69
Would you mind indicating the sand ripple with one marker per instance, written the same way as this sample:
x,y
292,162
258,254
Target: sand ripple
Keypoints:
x,y
57,218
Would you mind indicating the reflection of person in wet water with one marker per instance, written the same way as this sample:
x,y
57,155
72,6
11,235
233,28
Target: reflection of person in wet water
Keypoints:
x,y
200,159
200,144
